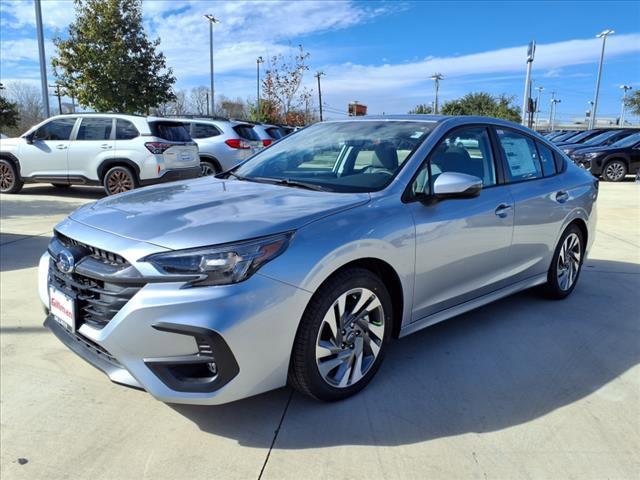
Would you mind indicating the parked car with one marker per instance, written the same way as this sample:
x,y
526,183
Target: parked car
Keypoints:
x,y
555,133
302,263
222,143
613,162
119,152
602,139
564,136
581,137
268,133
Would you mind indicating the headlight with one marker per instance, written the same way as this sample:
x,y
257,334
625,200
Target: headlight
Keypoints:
x,y
592,155
223,264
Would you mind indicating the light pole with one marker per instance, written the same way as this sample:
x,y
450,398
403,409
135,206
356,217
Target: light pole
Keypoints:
x,y
211,19
589,112
259,60
436,77
43,68
531,51
603,34
318,75
624,101
552,119
539,89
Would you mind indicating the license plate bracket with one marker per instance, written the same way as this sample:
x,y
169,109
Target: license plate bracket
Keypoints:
x,y
63,307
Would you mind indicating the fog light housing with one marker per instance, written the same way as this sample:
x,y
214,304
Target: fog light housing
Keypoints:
x,y
213,368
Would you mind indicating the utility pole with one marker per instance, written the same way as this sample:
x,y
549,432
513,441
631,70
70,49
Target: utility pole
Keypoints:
x,y
436,77
552,120
207,94
318,75
604,34
624,101
58,94
211,19
531,51
43,67
259,60
539,89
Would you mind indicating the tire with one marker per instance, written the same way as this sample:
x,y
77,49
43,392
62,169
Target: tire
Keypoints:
x,y
353,352
614,171
10,181
119,179
208,168
556,286
61,185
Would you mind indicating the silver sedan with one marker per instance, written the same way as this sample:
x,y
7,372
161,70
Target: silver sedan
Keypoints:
x,y
304,262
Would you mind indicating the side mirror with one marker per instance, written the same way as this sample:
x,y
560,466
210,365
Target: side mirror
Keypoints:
x,y
29,138
456,185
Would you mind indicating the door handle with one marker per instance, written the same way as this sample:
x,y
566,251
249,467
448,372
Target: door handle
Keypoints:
x,y
503,210
61,147
105,146
562,196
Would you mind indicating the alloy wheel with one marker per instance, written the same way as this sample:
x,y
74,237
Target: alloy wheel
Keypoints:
x,y
119,181
350,337
207,169
569,261
6,177
615,171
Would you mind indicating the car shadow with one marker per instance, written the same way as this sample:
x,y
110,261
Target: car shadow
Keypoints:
x,y
74,191
21,251
502,365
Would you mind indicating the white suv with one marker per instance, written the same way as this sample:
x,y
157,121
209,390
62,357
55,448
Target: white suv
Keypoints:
x,y
119,152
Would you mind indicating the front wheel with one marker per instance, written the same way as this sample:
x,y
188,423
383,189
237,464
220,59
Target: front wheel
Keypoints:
x,y
10,181
566,264
614,171
119,179
342,337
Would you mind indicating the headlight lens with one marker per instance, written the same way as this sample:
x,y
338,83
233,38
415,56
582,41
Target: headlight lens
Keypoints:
x,y
592,155
224,264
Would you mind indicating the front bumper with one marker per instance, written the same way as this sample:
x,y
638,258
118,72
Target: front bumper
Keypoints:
x,y
250,328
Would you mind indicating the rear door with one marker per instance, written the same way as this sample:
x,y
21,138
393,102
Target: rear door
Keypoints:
x,y
93,143
46,157
540,197
178,148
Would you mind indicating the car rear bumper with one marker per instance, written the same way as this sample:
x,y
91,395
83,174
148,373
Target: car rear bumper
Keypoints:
x,y
173,176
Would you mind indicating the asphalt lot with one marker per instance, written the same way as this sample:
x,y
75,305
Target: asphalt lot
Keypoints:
x,y
522,388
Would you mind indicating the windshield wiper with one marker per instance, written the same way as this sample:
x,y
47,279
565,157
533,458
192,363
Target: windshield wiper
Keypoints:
x,y
291,183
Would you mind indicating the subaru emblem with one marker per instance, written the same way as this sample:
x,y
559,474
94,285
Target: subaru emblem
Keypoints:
x,y
66,262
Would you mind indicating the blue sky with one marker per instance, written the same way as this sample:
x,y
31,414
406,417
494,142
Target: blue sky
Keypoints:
x,y
379,53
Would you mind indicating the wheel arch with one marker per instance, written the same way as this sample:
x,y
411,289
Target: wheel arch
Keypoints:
x,y
205,157
117,162
11,158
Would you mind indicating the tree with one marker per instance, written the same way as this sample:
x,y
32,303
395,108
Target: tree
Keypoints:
x,y
281,87
199,100
108,63
9,115
238,109
483,104
633,102
421,109
28,103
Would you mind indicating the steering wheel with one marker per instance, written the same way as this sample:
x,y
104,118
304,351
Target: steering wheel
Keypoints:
x,y
372,169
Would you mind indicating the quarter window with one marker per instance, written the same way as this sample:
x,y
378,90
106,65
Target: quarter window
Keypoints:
x,y
95,129
521,154
546,158
125,130
202,130
59,129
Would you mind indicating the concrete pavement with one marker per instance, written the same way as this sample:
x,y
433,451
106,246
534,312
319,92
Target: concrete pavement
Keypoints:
x,y
522,388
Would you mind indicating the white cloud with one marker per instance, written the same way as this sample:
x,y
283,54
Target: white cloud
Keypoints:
x,y
55,13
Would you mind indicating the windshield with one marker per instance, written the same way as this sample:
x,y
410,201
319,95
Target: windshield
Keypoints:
x,y
627,141
564,137
581,136
598,139
356,156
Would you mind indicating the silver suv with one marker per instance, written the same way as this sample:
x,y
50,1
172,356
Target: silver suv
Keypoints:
x,y
223,143
119,152
303,263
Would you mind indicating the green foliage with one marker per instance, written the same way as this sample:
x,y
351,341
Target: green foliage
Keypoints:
x,y
9,116
421,109
633,102
107,62
483,104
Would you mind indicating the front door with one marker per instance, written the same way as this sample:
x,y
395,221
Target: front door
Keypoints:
x,y
463,246
45,159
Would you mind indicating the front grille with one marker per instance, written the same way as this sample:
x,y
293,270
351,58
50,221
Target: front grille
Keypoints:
x,y
102,283
91,345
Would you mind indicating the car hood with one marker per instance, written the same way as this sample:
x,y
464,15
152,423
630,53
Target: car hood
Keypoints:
x,y
209,211
605,149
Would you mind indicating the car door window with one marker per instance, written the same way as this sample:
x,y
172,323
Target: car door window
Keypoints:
x,y
125,130
95,129
202,130
59,129
521,155
547,160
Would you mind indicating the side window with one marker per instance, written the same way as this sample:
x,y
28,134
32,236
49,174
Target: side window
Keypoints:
x,y
203,130
466,150
59,129
546,158
521,154
95,129
125,130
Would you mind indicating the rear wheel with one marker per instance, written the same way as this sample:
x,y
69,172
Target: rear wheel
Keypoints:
x,y
614,171
119,179
10,181
208,168
566,264
342,337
